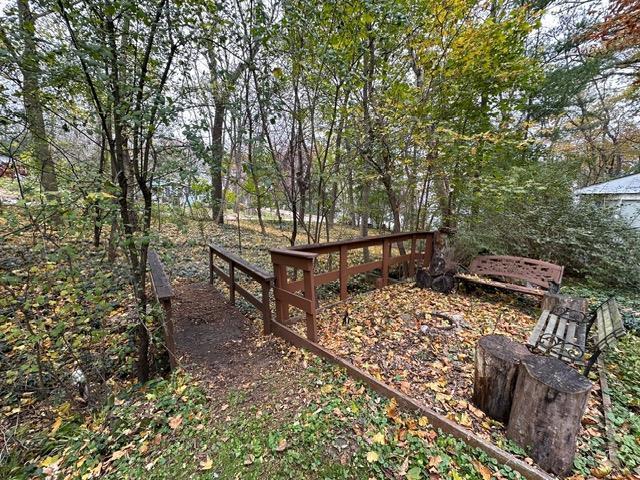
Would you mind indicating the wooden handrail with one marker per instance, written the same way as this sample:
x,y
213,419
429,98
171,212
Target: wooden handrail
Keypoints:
x,y
303,257
163,293
255,273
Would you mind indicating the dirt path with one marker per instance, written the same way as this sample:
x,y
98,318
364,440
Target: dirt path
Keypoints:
x,y
226,351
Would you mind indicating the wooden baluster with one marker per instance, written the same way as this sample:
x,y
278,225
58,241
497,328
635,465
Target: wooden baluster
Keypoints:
x,y
282,308
386,252
266,308
232,283
344,278
412,261
211,265
310,294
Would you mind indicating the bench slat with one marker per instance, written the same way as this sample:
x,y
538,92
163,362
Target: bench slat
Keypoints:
x,y
562,326
548,331
542,321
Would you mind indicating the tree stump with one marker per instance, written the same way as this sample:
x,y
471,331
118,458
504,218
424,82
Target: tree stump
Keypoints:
x,y
548,404
496,371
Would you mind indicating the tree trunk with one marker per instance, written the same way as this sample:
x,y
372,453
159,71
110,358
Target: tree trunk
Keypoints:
x,y
548,404
30,69
496,372
217,153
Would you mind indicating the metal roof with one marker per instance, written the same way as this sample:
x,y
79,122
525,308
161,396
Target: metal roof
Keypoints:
x,y
620,186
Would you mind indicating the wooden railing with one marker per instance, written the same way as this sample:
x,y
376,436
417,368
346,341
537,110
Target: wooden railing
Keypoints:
x,y
237,263
303,257
163,293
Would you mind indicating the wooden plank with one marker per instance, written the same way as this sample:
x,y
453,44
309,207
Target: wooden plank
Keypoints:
x,y
240,263
616,319
222,275
232,283
542,321
328,277
562,326
610,428
295,261
412,259
581,335
364,267
310,296
571,332
436,420
282,307
344,275
600,328
159,278
249,297
507,286
549,329
291,299
361,242
386,254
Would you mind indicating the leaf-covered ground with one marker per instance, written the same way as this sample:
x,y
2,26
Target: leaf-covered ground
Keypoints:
x,y
393,334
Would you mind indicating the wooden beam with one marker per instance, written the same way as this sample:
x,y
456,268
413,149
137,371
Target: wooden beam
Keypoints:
x,y
438,421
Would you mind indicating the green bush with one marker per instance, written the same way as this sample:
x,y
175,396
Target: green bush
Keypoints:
x,y
546,223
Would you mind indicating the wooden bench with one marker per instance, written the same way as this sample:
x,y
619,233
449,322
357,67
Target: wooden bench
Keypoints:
x,y
563,332
518,274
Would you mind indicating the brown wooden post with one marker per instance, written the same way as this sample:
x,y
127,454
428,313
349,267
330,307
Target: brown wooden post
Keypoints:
x,y
266,309
282,308
232,283
412,261
169,338
386,253
211,265
344,278
310,294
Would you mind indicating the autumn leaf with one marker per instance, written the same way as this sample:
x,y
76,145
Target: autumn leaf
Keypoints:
x,y
206,464
482,470
372,457
282,445
175,422
414,474
379,438
249,459
56,425
326,388
423,421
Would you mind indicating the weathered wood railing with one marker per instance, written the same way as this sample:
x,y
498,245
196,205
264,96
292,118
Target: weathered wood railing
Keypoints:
x,y
235,262
303,257
163,293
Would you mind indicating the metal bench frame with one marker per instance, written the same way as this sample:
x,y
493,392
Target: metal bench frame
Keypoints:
x,y
569,322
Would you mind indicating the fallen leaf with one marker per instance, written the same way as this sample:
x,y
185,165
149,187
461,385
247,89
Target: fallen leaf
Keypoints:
x,y
249,459
175,422
56,425
207,464
482,470
379,438
282,445
372,457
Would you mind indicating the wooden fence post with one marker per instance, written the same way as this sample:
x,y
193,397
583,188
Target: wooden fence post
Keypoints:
x,y
169,335
412,261
386,253
211,265
266,309
310,294
282,308
344,278
232,283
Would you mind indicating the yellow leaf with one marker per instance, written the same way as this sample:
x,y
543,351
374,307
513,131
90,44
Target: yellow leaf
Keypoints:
x,y
49,461
423,421
372,457
482,470
282,445
181,389
378,438
207,464
326,388
175,422
118,454
56,425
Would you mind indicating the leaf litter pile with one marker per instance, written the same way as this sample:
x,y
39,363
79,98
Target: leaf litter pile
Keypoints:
x,y
423,342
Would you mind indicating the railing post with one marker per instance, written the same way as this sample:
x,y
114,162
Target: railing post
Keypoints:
x,y
210,265
169,338
282,308
232,283
344,278
266,308
412,261
310,294
386,253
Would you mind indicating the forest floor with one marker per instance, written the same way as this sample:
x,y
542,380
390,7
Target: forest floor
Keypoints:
x,y
243,405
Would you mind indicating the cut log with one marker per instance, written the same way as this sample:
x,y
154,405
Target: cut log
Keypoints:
x,y
548,404
497,362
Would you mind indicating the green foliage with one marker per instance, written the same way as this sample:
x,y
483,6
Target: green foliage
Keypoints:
x,y
530,212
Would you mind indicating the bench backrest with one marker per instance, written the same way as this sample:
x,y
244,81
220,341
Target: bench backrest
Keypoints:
x,y
609,323
533,271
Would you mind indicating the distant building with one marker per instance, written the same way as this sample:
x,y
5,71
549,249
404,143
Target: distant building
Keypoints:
x,y
621,194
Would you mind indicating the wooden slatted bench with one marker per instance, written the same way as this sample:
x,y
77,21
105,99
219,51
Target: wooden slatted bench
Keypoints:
x,y
563,333
522,275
